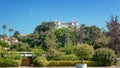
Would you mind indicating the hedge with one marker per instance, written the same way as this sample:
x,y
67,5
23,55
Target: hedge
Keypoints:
x,y
40,61
67,57
10,63
64,63
71,63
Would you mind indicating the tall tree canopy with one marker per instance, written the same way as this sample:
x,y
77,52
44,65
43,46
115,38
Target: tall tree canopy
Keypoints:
x,y
92,35
114,33
4,27
11,30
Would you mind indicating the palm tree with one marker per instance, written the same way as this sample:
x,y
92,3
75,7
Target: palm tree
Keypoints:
x,y
4,27
11,30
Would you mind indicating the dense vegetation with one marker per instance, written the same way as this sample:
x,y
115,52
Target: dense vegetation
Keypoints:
x,y
56,46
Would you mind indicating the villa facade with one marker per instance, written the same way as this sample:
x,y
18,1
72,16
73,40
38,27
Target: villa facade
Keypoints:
x,y
71,24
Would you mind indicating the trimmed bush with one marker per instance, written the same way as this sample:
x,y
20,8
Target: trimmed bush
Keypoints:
x,y
16,63
67,57
70,63
83,51
104,56
40,61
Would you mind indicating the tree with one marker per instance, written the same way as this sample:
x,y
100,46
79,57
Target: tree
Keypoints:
x,y
69,48
92,35
45,26
4,27
75,32
11,30
114,33
82,33
101,42
43,36
20,46
65,36
13,55
16,34
50,40
38,51
51,53
84,51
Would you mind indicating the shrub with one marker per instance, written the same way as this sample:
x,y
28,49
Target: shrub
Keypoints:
x,y
104,56
3,52
16,63
52,53
11,59
8,62
67,57
38,51
14,55
3,43
68,48
70,63
40,61
118,63
83,51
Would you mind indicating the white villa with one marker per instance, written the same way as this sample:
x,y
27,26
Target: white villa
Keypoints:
x,y
71,24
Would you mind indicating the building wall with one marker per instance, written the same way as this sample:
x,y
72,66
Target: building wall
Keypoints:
x,y
71,24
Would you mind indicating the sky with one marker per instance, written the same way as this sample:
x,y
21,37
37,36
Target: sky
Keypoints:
x,y
25,15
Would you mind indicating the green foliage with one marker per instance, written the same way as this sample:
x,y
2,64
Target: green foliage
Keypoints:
x,y
20,46
3,52
83,51
68,48
4,27
43,36
16,34
3,43
92,35
13,55
101,42
45,26
70,63
51,54
113,27
9,62
10,30
11,59
104,56
38,52
67,57
40,61
118,64
50,40
64,36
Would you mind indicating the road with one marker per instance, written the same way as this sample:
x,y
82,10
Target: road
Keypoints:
x,y
58,67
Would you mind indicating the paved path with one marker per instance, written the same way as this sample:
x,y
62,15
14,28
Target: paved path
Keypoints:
x,y
59,67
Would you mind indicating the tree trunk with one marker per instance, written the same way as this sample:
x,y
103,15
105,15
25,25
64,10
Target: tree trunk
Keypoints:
x,y
82,60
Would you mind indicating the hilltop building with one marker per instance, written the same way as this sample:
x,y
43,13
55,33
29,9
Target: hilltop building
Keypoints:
x,y
71,24
10,41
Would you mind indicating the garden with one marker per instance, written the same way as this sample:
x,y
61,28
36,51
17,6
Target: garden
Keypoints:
x,y
89,45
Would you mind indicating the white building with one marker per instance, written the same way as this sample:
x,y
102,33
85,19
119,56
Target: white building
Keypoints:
x,y
71,24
